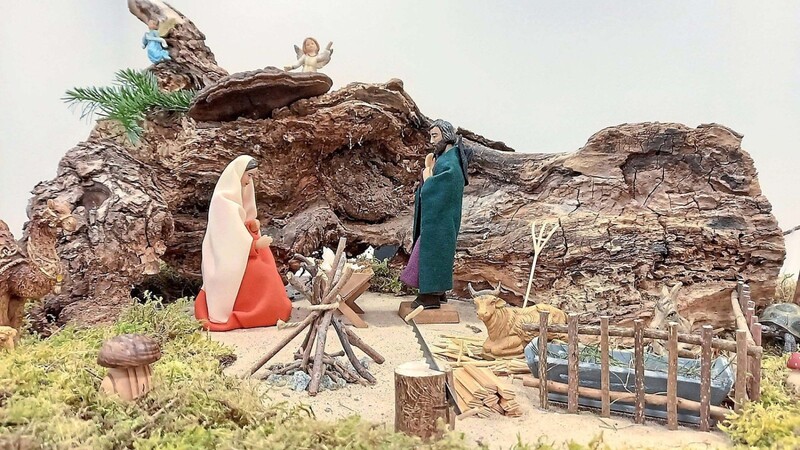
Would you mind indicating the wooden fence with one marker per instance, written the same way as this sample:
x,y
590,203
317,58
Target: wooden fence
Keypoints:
x,y
747,347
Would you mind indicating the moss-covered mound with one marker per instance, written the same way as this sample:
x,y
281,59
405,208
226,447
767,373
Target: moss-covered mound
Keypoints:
x,y
49,398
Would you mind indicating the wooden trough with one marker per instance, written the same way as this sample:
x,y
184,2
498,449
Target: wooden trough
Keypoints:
x,y
747,348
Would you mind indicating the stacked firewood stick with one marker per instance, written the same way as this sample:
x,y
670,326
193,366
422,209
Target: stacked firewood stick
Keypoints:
x,y
479,392
324,298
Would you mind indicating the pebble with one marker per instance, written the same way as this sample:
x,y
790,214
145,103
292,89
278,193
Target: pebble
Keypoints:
x,y
300,381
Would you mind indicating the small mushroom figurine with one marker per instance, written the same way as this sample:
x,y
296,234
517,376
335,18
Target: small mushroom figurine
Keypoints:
x,y
128,358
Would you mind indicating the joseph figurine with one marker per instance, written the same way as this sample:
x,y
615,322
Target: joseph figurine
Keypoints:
x,y
437,217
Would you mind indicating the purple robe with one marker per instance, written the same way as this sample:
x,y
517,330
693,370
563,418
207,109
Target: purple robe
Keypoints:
x,y
410,275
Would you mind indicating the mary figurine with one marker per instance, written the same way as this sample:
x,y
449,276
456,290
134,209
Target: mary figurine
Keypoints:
x,y
241,284
155,44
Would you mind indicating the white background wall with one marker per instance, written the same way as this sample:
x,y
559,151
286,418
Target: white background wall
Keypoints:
x,y
541,76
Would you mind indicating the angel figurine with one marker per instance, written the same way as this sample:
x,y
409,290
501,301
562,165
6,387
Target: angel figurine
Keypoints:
x,y
154,41
311,58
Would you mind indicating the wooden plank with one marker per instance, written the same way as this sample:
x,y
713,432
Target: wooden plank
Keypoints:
x,y
481,378
755,386
705,377
356,285
508,404
491,401
572,363
685,338
351,301
466,396
543,359
717,412
354,306
471,384
605,410
461,398
672,377
461,390
351,316
510,407
740,389
504,389
445,314
638,349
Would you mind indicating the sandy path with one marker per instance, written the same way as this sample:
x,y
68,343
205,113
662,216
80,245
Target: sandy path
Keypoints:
x,y
395,340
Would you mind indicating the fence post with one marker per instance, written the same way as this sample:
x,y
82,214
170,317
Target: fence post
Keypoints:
x,y
672,377
755,387
572,363
740,389
543,359
604,368
638,343
745,300
705,378
740,295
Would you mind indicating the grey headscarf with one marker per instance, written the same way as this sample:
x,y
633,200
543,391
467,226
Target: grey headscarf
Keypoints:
x,y
449,136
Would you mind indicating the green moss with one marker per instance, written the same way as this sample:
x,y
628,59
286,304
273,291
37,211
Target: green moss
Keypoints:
x,y
49,398
772,422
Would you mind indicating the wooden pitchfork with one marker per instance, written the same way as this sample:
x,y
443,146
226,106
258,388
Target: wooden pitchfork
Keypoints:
x,y
538,244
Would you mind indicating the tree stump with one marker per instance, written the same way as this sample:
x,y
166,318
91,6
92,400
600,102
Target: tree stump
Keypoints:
x,y
420,400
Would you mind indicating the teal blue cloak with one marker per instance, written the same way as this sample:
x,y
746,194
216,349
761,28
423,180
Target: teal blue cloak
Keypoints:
x,y
437,220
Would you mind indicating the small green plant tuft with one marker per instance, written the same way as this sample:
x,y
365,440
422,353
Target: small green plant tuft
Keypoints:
x,y
387,279
133,95
49,398
168,284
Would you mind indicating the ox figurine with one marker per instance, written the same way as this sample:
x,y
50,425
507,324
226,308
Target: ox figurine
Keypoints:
x,y
504,323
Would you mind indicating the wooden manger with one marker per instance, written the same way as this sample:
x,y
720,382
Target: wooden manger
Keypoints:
x,y
746,347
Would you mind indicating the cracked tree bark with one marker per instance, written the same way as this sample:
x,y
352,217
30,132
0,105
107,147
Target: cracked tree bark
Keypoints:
x,y
639,206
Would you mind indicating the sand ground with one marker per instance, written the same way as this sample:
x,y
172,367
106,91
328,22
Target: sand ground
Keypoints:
x,y
395,340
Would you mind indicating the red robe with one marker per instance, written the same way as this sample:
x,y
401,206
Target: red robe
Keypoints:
x,y
261,300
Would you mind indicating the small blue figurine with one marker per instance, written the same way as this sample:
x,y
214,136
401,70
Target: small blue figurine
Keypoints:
x,y
155,43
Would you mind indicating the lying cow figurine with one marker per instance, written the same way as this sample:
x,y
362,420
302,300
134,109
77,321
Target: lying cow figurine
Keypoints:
x,y
504,323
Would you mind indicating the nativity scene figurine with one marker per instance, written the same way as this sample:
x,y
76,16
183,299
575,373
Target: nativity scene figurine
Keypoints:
x,y
310,58
241,284
154,41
